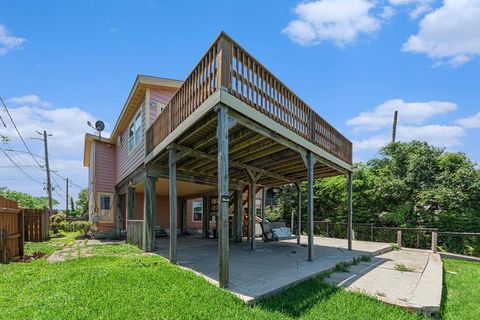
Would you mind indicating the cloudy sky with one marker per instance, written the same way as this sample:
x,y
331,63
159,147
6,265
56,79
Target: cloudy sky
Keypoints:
x,y
355,62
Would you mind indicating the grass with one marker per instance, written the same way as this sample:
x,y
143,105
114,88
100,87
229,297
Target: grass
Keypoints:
x,y
403,268
120,282
461,292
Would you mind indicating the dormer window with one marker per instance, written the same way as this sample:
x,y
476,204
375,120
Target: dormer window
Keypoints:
x,y
135,131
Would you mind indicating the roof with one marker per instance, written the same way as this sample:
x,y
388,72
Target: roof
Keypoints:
x,y
135,97
137,93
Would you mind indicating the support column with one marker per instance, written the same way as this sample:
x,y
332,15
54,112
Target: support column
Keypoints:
x,y
223,196
252,199
350,209
310,166
118,216
205,217
149,213
237,217
130,203
172,171
264,203
299,210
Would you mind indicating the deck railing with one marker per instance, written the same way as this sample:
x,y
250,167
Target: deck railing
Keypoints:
x,y
229,67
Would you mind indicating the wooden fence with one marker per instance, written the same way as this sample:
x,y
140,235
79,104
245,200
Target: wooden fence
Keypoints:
x,y
135,232
18,225
227,66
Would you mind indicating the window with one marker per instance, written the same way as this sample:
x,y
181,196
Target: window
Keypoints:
x,y
135,131
105,203
197,208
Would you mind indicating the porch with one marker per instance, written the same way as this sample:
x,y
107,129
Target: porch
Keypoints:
x,y
233,127
272,267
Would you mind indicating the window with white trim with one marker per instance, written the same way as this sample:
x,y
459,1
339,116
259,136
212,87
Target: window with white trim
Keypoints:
x,y
197,211
135,131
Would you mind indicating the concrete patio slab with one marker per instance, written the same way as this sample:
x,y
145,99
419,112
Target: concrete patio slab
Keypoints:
x,y
272,267
419,289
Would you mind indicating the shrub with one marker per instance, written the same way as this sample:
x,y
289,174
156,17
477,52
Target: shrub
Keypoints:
x,y
57,222
84,227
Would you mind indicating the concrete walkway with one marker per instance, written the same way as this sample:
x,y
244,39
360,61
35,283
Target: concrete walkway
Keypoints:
x,y
418,287
272,267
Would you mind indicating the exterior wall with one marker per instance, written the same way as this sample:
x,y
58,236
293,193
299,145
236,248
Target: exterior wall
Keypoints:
x,y
104,165
129,161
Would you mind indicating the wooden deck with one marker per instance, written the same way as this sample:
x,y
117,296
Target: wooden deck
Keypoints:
x,y
267,123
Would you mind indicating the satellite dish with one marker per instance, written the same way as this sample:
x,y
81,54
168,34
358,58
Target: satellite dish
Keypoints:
x,y
99,125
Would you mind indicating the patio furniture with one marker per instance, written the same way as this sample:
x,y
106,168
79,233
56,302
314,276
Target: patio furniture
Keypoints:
x,y
276,231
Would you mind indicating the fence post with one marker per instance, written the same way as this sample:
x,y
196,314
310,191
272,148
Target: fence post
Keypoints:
x,y
399,238
21,230
44,224
434,242
371,232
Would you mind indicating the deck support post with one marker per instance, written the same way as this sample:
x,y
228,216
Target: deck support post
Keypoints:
x,y
299,210
237,216
223,196
149,213
205,217
310,166
264,203
130,203
252,207
172,171
350,210
118,216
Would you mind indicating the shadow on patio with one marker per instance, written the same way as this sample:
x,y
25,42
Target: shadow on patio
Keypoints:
x,y
273,266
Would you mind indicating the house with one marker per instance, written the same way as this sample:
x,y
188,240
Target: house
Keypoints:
x,y
182,153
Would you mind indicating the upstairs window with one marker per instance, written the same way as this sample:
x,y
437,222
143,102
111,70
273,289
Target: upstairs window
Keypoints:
x,y
197,207
135,131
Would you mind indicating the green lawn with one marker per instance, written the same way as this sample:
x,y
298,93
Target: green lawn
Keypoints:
x,y
461,292
120,282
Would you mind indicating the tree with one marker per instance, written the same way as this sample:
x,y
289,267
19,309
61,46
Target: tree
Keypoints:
x,y
82,201
25,200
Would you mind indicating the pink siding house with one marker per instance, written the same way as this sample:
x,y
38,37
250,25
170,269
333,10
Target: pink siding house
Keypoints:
x,y
113,161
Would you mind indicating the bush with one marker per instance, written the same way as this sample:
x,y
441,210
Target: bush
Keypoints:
x,y
84,227
57,222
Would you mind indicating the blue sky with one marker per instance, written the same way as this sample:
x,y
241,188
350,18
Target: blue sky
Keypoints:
x,y
354,61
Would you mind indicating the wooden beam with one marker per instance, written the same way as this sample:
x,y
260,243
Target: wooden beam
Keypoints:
x,y
237,216
118,216
310,166
130,203
223,196
299,210
205,220
350,209
149,213
172,205
237,164
252,207
270,134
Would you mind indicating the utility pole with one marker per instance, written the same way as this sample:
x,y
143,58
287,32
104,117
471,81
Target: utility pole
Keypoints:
x,y
394,128
47,168
66,199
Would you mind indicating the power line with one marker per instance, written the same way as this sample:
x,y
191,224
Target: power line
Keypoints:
x,y
19,167
18,132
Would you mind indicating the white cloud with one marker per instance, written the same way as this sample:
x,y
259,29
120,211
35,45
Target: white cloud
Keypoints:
x,y
29,99
438,135
449,34
443,136
340,21
9,42
470,122
372,143
417,7
67,126
409,113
